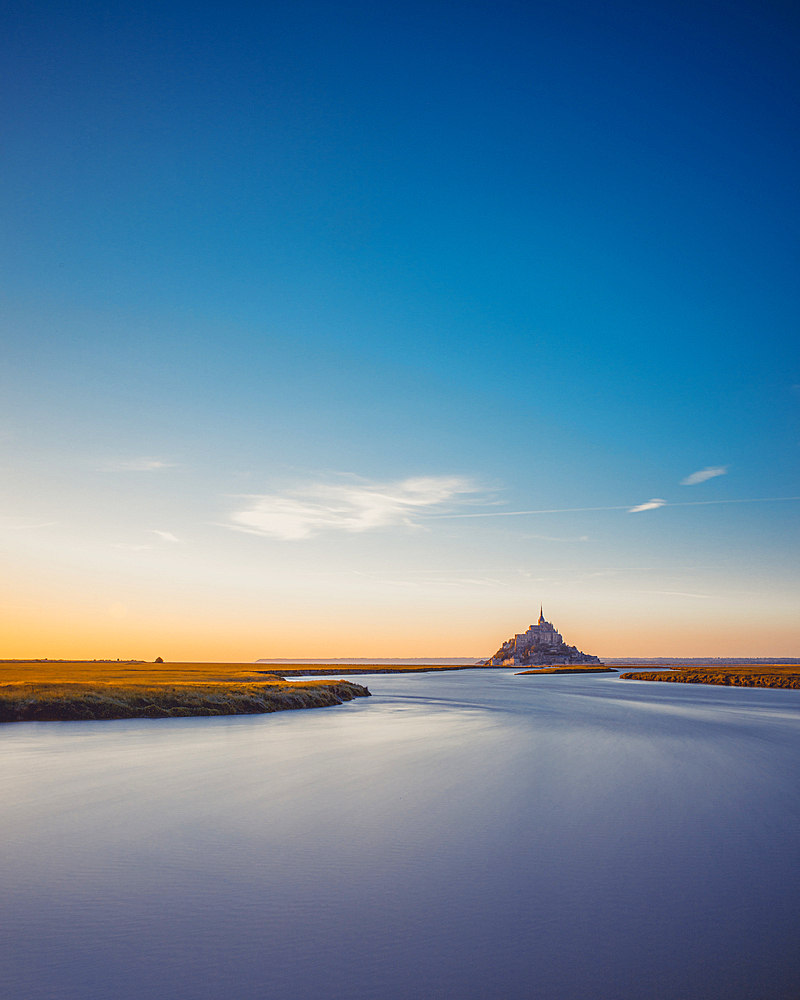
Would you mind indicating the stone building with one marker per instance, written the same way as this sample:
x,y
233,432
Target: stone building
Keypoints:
x,y
540,645
540,634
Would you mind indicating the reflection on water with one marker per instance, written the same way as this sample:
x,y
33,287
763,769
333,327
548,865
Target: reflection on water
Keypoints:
x,y
470,834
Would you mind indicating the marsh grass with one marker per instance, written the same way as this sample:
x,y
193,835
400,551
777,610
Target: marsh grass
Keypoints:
x,y
60,690
770,675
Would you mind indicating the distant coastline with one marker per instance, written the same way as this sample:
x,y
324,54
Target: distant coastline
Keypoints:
x,y
568,670
470,661
699,661
305,668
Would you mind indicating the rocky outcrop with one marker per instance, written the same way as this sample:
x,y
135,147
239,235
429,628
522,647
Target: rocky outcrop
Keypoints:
x,y
552,655
542,656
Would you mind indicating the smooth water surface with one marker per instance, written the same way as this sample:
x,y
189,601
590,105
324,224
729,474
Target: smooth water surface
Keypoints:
x,y
470,834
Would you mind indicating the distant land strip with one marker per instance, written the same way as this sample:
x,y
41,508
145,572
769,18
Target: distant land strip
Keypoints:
x,y
314,670
700,661
465,661
569,670
52,690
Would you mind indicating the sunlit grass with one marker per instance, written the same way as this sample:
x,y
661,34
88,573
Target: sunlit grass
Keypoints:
x,y
61,690
769,675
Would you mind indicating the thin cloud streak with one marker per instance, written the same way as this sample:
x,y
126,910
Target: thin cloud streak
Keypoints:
x,y
552,538
26,527
165,536
679,593
136,465
624,506
438,581
650,505
709,472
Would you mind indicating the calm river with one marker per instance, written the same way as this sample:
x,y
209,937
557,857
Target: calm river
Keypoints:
x,y
464,835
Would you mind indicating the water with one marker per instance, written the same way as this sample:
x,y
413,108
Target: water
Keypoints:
x,y
468,834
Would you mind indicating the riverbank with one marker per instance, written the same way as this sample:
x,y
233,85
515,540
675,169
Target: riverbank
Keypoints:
x,y
772,675
85,690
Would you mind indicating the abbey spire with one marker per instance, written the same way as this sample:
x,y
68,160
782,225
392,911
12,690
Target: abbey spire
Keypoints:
x,y
540,645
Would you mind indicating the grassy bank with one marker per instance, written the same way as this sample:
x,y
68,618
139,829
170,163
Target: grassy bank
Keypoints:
x,y
772,675
61,690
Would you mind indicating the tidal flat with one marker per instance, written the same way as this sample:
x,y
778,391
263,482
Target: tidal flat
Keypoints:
x,y
62,690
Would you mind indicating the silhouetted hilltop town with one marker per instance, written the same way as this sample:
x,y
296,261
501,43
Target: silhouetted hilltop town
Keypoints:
x,y
540,646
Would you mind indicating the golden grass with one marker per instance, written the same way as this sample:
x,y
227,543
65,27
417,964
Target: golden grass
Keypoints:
x,y
770,675
62,690
123,671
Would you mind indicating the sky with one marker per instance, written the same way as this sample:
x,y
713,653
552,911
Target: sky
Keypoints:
x,y
363,329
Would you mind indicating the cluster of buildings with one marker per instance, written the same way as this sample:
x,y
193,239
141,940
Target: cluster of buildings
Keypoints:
x,y
540,644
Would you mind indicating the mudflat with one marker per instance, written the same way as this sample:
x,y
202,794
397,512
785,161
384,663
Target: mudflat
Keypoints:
x,y
64,690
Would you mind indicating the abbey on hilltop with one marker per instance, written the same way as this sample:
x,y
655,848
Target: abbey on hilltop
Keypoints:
x,y
540,646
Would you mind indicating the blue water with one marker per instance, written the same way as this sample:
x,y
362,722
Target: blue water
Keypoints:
x,y
471,834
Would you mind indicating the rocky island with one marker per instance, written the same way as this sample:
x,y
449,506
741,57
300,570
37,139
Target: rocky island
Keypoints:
x,y
541,645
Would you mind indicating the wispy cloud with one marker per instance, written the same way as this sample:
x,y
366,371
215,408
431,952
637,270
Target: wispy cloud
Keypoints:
x,y
6,526
650,505
306,511
135,465
165,536
679,593
553,538
435,578
708,473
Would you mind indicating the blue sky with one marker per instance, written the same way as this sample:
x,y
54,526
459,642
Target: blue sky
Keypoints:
x,y
288,285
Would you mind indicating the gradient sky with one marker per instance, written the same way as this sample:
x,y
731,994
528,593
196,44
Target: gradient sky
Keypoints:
x,y
303,302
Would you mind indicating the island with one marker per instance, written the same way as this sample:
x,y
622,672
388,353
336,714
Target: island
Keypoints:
x,y
73,690
540,645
